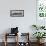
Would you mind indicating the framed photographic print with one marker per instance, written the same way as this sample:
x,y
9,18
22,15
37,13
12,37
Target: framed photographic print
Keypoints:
x,y
17,13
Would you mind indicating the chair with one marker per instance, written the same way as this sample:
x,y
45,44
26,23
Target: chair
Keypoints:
x,y
25,36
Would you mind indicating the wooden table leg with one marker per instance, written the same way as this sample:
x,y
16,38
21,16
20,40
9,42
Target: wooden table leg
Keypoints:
x,y
17,41
5,40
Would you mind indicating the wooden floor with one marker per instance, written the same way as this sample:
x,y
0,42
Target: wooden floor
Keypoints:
x,y
13,44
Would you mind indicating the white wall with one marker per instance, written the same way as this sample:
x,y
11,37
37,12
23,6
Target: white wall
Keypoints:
x,y
24,23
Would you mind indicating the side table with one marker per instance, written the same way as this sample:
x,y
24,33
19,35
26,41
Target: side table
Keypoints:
x,y
8,34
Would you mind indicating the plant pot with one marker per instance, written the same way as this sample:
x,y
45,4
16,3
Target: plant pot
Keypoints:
x,y
40,41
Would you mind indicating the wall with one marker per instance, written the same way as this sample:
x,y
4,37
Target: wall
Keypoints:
x,y
24,23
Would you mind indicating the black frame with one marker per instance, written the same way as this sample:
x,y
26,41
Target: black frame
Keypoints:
x,y
17,13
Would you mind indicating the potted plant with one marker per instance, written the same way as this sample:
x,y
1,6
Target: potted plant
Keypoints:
x,y
39,35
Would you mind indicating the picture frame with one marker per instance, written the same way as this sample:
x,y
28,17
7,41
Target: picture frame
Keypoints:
x,y
17,13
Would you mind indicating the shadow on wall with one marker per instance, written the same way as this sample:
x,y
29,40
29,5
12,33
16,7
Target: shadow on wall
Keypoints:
x,y
7,30
32,30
